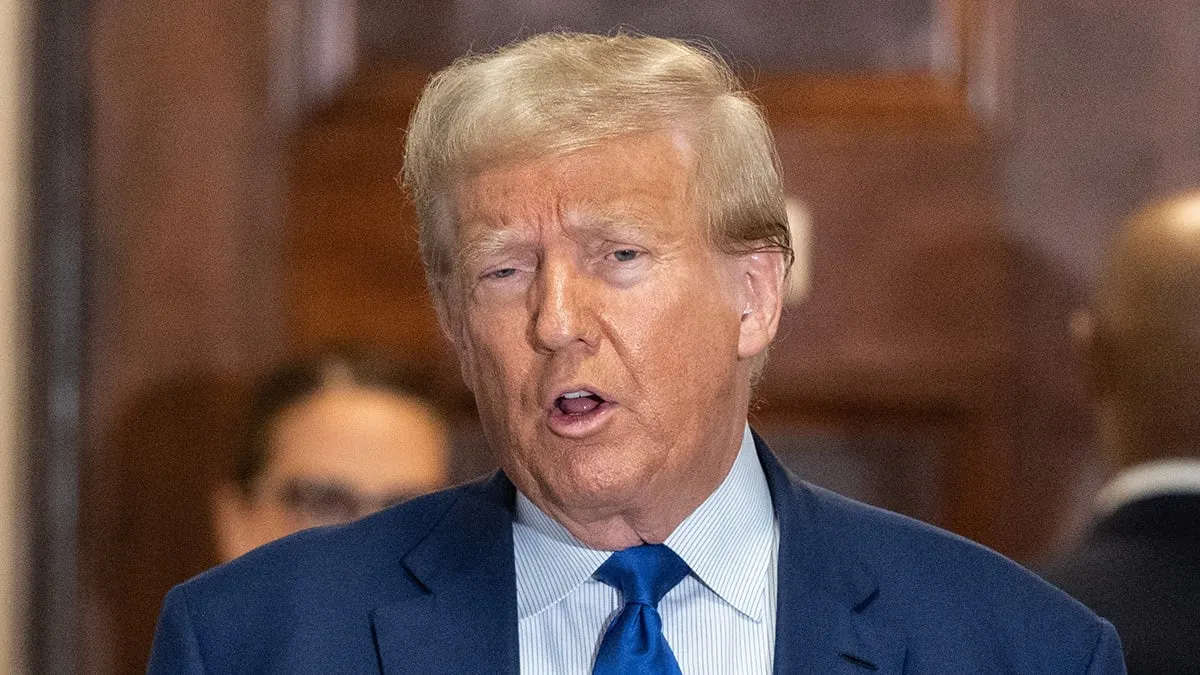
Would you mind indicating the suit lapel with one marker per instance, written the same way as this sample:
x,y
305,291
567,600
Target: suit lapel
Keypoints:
x,y
464,620
823,621
462,617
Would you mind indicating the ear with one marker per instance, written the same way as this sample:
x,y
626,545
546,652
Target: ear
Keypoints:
x,y
233,524
760,297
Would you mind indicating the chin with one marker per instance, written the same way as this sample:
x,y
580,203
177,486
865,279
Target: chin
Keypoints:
x,y
580,476
616,487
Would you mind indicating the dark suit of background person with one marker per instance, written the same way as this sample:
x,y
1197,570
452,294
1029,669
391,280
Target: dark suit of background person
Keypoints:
x,y
1139,563
619,249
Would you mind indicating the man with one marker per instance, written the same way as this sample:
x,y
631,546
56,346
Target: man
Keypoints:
x,y
1139,564
329,438
603,228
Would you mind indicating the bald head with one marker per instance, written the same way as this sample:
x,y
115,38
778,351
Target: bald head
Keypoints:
x,y
1145,339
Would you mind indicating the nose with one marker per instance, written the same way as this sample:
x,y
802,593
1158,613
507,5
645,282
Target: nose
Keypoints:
x,y
561,309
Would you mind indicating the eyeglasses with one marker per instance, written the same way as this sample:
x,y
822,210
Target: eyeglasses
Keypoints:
x,y
317,502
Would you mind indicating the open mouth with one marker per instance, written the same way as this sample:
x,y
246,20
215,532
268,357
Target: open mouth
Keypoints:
x,y
580,413
578,403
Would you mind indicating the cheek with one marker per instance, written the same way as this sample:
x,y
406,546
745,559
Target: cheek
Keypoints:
x,y
500,361
497,362
268,523
691,350
491,340
694,329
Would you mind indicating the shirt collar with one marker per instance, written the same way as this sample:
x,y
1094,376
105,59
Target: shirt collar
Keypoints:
x,y
727,541
1152,479
550,561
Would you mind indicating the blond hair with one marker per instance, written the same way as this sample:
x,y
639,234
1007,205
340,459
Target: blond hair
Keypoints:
x,y
558,92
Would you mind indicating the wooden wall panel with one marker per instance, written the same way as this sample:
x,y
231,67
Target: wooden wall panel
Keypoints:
x,y
352,267
908,312
183,292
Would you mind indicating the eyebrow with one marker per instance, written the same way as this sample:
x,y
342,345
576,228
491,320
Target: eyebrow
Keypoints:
x,y
491,243
620,224
596,222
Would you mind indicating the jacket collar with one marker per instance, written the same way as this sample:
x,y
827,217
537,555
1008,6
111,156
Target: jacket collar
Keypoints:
x,y
461,616
824,620
465,580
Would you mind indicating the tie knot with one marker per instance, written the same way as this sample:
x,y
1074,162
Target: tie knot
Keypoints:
x,y
643,573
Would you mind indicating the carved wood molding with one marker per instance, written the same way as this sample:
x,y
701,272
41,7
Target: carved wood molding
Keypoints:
x,y
965,93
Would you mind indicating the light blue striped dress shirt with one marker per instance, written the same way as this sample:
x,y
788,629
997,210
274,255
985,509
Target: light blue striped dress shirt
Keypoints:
x,y
719,619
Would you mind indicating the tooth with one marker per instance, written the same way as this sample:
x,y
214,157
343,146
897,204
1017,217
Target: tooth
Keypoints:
x,y
577,394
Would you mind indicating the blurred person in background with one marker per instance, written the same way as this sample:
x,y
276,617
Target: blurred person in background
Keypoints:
x,y
1139,563
329,438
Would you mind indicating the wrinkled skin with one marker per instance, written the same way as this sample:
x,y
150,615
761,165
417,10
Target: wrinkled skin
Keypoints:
x,y
590,272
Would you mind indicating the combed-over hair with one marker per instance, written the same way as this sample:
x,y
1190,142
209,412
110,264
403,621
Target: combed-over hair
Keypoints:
x,y
558,92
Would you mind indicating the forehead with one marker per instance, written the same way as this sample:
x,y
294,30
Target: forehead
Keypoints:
x,y
362,437
631,180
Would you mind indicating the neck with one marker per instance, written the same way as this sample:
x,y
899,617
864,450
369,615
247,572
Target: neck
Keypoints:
x,y
650,516
633,527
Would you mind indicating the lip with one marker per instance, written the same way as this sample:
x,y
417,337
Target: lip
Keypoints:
x,y
548,403
579,426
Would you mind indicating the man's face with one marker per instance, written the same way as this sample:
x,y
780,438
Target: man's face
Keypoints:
x,y
336,456
601,334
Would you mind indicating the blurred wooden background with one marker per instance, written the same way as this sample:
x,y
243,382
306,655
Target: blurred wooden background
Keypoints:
x,y
960,161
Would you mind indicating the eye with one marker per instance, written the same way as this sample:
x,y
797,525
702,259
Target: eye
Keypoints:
x,y
625,254
501,273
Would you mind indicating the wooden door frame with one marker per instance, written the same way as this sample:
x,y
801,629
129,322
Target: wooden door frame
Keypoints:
x,y
58,218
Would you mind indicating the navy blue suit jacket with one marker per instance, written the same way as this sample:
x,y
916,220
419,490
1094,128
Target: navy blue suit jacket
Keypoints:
x,y
429,587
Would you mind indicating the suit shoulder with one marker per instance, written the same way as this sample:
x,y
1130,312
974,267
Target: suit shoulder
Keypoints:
x,y
300,565
958,604
916,559
271,609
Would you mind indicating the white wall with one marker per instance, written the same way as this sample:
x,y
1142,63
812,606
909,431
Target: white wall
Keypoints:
x,y
13,107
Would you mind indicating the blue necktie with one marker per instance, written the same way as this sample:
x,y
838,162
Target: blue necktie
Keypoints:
x,y
634,642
